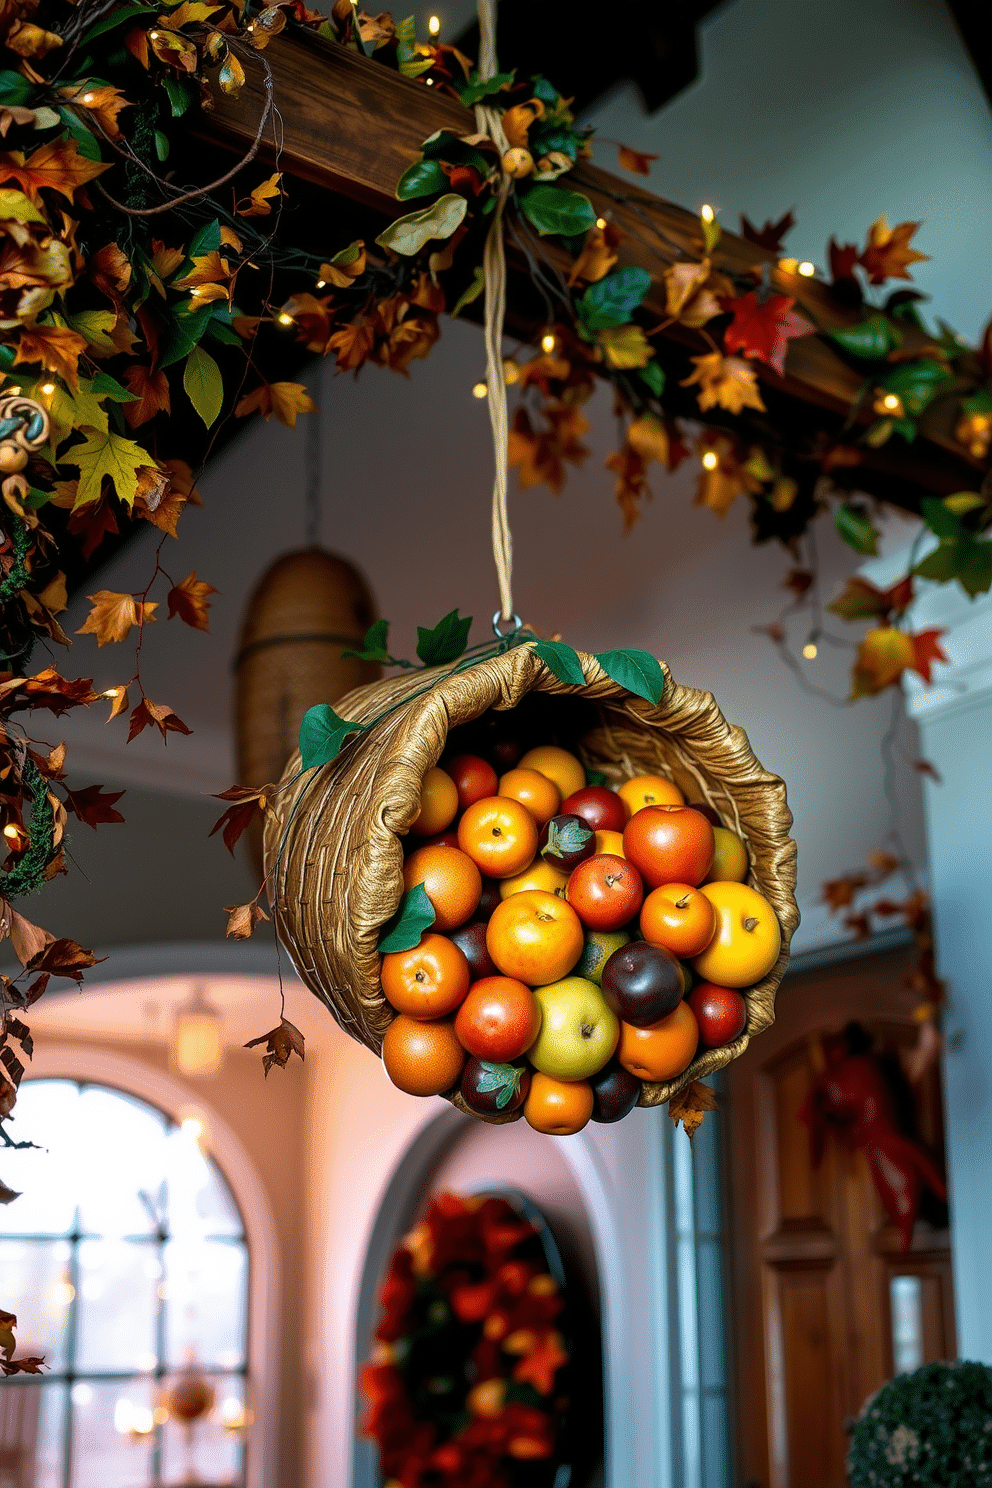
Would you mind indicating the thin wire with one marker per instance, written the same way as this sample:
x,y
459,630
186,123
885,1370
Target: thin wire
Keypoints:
x,y
487,121
315,470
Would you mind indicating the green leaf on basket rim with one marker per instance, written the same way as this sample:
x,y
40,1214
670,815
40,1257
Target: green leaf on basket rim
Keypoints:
x,y
638,671
502,1077
323,735
414,916
561,661
374,647
446,642
553,211
857,528
421,179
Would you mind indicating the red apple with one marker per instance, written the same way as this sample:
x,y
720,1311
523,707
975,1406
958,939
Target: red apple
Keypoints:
x,y
499,1019
605,891
602,809
474,778
720,1012
670,844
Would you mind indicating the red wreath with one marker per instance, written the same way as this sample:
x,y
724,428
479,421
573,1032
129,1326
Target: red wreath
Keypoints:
x,y
465,1377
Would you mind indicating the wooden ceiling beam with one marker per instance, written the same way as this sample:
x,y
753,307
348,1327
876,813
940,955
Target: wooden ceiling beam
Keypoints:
x,y
352,126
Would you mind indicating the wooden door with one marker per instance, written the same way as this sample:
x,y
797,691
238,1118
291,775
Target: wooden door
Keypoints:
x,y
825,1307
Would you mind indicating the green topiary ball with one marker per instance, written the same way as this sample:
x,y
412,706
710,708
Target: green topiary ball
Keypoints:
x,y
931,1428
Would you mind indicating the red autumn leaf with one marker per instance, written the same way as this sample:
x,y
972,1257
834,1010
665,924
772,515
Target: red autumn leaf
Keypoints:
x,y
763,330
799,580
463,177
638,162
843,257
93,805
280,1043
859,925
248,804
926,650
151,390
95,521
770,236
189,601
160,714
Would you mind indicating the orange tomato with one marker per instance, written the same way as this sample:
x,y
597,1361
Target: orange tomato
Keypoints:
x,y
662,1050
678,917
499,835
451,881
438,803
428,981
650,790
532,789
610,842
540,875
558,765
747,939
729,860
422,1058
535,937
558,1107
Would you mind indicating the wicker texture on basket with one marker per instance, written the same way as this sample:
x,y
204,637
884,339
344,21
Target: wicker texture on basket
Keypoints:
x,y
336,859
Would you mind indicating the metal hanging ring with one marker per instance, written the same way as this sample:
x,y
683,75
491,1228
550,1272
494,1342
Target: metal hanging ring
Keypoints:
x,y
513,623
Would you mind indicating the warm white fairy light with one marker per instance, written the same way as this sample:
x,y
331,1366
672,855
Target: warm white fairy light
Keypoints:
x,y
48,388
806,268
710,460
706,212
810,651
891,402
601,223
548,344
284,319
434,25
11,832
480,390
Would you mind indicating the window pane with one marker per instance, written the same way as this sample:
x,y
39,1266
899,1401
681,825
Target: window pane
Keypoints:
x,y
199,1202
906,1301
31,1421
205,1303
44,1175
112,1442
36,1286
117,1305
119,1197
210,1451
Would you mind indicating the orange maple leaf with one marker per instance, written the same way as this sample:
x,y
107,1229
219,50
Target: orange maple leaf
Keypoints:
x,y
724,382
189,601
926,650
636,161
631,488
883,656
160,714
887,254
55,347
109,272
102,102
151,390
764,329
541,1363
599,254
690,1106
352,345
57,166
284,399
113,615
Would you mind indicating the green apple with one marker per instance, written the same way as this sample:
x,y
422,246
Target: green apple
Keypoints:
x,y
598,948
579,1030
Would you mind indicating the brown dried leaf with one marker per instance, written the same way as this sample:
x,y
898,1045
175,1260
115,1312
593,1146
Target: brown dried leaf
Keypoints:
x,y
113,615
7,1195
65,958
189,601
151,390
638,162
28,940
248,805
280,1043
242,919
690,1106
94,805
924,767
160,714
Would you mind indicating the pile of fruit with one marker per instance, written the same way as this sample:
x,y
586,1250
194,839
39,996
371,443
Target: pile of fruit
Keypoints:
x,y
584,939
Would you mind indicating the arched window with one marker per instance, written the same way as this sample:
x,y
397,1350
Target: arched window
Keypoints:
x,y
125,1260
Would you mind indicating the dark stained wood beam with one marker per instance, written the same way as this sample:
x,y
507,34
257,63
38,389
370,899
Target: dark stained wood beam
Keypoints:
x,y
352,126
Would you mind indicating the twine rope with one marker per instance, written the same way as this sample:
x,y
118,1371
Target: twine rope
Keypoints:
x,y
487,121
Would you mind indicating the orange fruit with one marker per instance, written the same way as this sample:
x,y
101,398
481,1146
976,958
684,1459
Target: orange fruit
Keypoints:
x,y
662,1050
747,939
558,765
499,835
730,858
428,981
535,937
422,1058
451,880
532,789
610,842
678,917
540,875
650,790
558,1107
438,803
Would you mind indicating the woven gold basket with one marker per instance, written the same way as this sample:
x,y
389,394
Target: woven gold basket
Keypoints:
x,y
333,846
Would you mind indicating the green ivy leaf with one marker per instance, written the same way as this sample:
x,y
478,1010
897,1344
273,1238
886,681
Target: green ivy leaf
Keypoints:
x,y
323,734
966,559
105,386
613,300
374,647
561,661
347,255
857,528
407,235
940,518
980,402
204,385
205,240
570,837
179,95
117,18
86,141
872,340
446,642
554,211
502,1077
473,291
15,91
408,60
654,378
637,671
475,91
917,384
162,146
422,179
187,329
414,916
